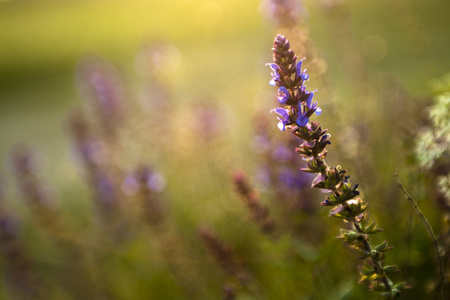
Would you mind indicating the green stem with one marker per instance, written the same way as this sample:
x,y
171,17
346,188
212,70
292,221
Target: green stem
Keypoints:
x,y
377,264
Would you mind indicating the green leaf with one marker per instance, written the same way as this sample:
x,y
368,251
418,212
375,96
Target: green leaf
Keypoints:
x,y
367,272
390,269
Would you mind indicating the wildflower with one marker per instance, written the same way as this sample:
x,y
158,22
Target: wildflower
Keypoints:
x,y
318,111
331,180
283,94
275,75
298,68
292,91
298,71
302,120
283,118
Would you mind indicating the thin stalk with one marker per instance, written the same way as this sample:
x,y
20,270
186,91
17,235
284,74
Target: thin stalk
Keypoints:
x,y
433,237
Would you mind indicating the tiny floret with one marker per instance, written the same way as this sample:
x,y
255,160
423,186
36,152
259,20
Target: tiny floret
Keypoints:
x,y
283,118
275,75
283,94
309,100
305,76
302,120
298,67
318,111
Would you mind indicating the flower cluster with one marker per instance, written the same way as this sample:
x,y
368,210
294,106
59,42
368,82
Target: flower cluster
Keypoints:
x,y
343,194
287,74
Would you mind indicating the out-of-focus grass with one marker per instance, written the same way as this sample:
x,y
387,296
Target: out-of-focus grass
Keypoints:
x,y
42,42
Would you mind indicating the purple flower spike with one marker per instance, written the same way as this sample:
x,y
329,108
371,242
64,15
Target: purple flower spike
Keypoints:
x,y
318,111
283,94
302,120
283,118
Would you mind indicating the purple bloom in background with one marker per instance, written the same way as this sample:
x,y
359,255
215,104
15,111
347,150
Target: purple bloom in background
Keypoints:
x,y
285,13
294,179
283,94
287,177
281,153
156,182
263,176
210,120
260,143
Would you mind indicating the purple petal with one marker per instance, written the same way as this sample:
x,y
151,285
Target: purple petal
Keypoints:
x,y
272,82
273,66
281,126
283,90
283,94
305,76
302,121
298,68
282,112
318,111
275,75
321,177
336,209
309,100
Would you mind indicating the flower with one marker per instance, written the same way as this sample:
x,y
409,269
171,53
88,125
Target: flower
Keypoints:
x,y
318,111
298,71
292,91
298,67
299,106
302,120
283,94
283,118
275,75
309,100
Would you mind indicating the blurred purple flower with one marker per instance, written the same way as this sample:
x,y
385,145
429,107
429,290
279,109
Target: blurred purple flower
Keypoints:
x,y
281,153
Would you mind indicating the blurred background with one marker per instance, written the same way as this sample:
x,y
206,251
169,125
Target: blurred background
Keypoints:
x,y
103,103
